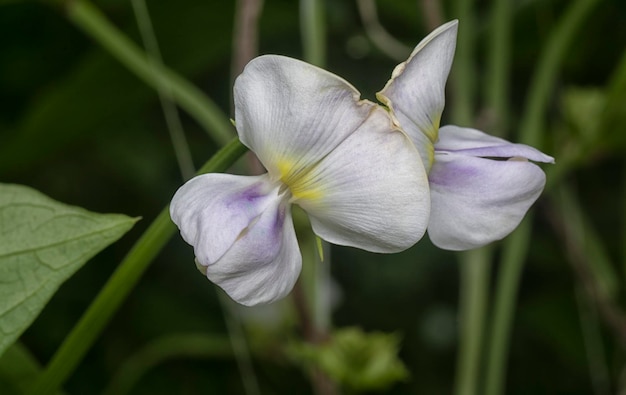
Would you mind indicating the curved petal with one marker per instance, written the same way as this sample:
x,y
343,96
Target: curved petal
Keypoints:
x,y
475,201
415,92
211,211
371,192
292,114
473,142
263,264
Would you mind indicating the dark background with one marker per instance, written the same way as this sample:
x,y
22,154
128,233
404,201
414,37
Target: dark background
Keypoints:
x,y
78,126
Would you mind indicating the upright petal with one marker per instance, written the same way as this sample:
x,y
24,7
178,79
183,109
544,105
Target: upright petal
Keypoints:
x,y
473,142
476,201
292,114
415,92
212,210
263,265
371,192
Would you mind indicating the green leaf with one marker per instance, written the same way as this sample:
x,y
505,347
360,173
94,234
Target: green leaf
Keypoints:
x,y
42,243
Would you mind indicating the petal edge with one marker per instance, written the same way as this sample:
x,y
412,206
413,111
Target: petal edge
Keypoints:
x,y
416,91
265,262
476,201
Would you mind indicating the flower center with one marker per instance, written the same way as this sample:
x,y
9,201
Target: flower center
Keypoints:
x,y
301,181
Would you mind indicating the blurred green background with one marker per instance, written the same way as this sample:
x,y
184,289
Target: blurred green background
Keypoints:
x,y
78,126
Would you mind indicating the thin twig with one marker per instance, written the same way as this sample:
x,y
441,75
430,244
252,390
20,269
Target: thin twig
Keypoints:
x,y
245,48
385,42
594,347
433,15
322,384
240,345
610,313
313,31
245,36
172,118
309,332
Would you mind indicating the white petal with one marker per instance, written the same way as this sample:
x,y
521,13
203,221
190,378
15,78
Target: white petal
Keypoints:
x,y
473,142
371,192
415,92
476,201
263,265
211,211
292,114
242,234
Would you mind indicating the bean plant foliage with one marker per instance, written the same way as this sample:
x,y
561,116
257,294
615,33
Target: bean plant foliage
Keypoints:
x,y
43,243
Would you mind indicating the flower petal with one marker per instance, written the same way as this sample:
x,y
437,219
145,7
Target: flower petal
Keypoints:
x,y
475,201
292,114
263,264
473,142
211,211
415,92
371,192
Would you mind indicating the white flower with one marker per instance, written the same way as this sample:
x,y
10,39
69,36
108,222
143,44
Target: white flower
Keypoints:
x,y
481,186
339,158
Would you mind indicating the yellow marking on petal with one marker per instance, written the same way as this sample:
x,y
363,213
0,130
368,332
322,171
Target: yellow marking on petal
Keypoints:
x,y
301,183
432,132
307,194
431,157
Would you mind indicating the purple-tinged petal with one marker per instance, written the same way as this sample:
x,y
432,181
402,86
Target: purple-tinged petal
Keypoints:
x,y
212,210
472,142
264,263
475,201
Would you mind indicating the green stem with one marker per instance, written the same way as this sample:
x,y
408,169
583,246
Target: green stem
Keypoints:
x,y
169,347
623,219
474,292
317,276
474,265
516,247
463,74
313,31
314,45
238,343
93,23
514,254
550,61
122,281
499,62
